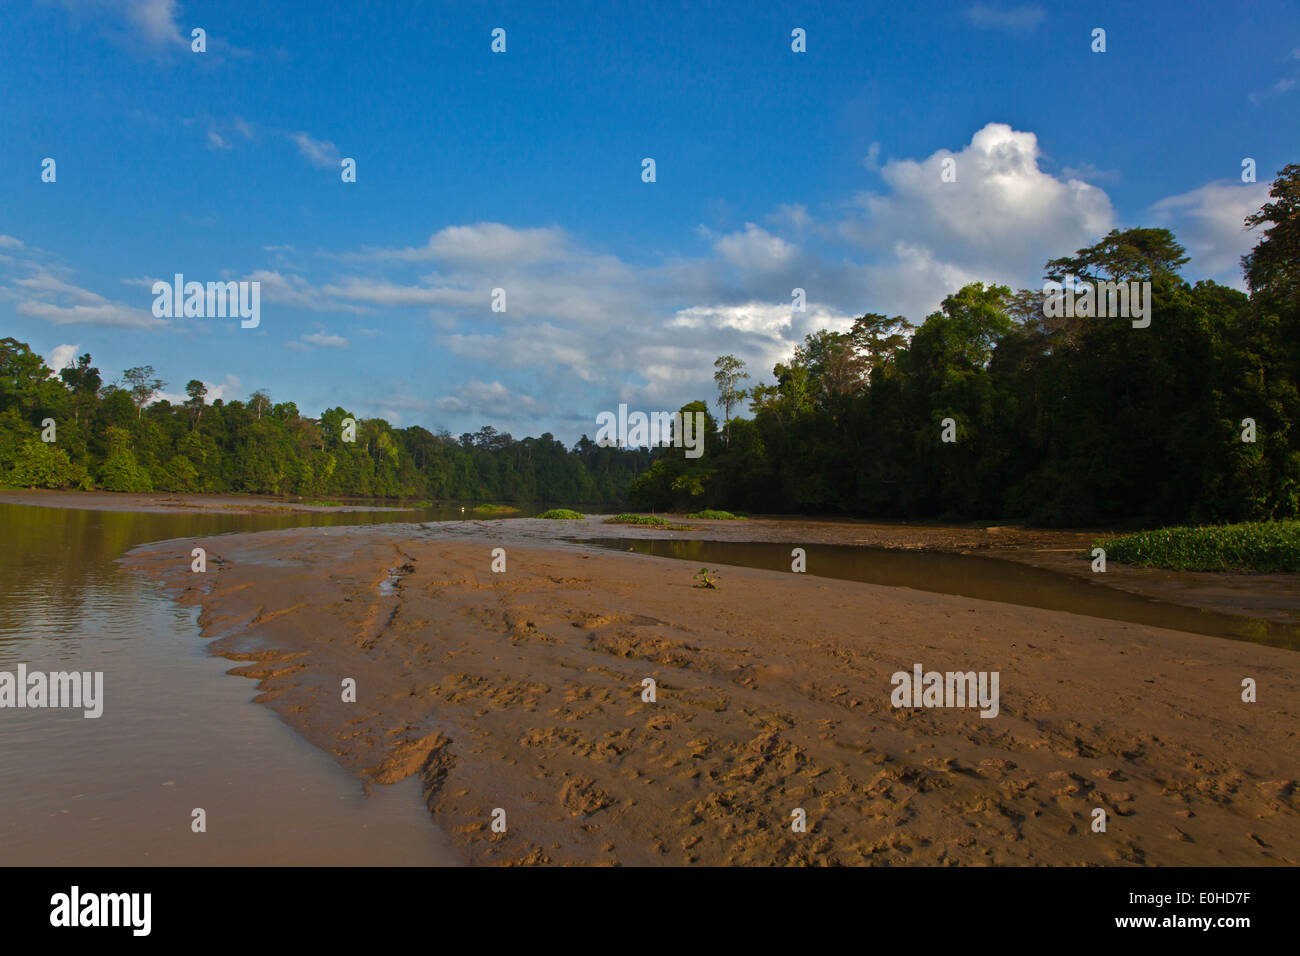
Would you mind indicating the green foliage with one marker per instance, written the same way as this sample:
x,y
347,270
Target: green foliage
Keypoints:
x,y
495,509
636,519
706,579
561,514
42,465
713,514
112,438
1252,546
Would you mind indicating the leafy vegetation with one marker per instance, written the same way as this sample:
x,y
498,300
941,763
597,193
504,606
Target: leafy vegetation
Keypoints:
x,y
706,579
494,509
561,514
713,514
636,519
1252,546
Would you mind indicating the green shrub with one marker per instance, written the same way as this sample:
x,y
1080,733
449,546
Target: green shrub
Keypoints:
x,y
42,465
1253,546
712,514
636,519
561,514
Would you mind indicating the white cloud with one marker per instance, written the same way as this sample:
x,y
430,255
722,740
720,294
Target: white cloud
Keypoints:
x,y
325,340
45,296
155,20
490,400
756,249
872,160
228,390
151,22
1209,221
318,152
61,356
382,292
1000,220
486,243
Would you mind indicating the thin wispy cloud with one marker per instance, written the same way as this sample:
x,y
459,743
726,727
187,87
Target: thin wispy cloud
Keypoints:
x,y
1014,18
318,152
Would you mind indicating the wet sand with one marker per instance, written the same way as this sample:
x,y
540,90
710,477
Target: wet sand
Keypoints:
x,y
522,691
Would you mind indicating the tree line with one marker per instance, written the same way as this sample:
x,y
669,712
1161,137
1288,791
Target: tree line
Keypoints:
x,y
1057,421
114,437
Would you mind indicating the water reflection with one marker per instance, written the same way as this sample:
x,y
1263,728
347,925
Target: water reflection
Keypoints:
x,y
990,579
175,733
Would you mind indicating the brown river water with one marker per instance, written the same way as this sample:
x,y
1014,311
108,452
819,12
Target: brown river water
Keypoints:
x,y
175,734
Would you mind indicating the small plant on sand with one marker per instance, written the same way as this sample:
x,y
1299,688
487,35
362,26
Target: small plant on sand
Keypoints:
x,y
711,514
636,519
706,579
561,514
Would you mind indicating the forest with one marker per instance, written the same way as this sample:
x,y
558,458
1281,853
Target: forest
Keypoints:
x,y
112,437
988,410
1054,421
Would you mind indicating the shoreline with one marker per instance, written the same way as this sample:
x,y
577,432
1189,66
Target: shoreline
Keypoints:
x,y
522,691
168,502
1272,596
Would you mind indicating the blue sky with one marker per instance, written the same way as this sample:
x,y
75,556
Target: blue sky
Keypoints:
x,y
522,171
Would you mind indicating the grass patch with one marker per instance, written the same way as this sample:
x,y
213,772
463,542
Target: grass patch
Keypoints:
x,y
1253,546
495,509
712,514
561,514
636,519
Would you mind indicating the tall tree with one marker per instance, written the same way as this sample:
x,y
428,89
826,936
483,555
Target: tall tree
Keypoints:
x,y
83,381
1273,266
729,373
197,392
260,402
142,385
1123,255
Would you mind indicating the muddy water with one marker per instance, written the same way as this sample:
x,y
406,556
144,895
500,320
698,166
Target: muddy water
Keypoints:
x,y
175,734
990,579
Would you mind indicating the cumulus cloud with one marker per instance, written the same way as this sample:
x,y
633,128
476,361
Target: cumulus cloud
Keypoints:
x,y
754,248
999,221
60,357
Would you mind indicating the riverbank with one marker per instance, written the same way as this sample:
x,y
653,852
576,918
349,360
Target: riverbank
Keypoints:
x,y
1272,597
522,691
174,503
